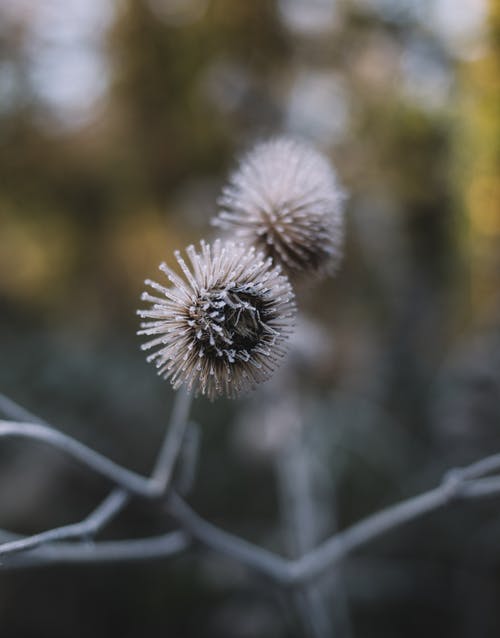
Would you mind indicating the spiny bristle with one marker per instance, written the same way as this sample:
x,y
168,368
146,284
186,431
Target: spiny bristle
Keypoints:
x,y
284,200
222,328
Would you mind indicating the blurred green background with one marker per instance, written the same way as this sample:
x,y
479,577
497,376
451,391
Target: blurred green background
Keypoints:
x,y
119,122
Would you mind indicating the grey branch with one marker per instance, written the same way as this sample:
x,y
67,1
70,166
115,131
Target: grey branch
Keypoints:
x,y
301,512
222,542
15,411
116,501
169,452
471,482
130,481
86,528
140,549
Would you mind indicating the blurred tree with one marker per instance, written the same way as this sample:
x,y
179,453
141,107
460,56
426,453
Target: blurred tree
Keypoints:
x,y
173,129
478,174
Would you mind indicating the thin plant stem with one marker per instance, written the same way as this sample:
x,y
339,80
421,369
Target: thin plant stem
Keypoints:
x,y
118,498
141,549
107,509
296,498
469,483
173,440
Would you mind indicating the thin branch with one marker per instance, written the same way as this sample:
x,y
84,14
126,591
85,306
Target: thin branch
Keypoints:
x,y
164,466
88,527
188,461
341,544
478,469
299,510
464,483
155,547
273,566
108,509
131,482
98,463
344,543
101,516
481,488
253,556
114,503
13,410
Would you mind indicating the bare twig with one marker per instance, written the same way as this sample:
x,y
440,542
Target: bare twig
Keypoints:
x,y
253,556
188,459
164,466
110,507
341,544
332,551
13,410
155,547
130,481
480,468
114,503
344,543
465,483
293,469
88,527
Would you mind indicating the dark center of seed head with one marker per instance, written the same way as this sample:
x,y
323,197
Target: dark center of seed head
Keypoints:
x,y
228,320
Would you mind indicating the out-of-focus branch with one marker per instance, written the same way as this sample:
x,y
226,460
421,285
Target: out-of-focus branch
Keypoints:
x,y
13,410
469,482
188,459
274,566
103,514
115,502
90,525
456,486
301,513
255,557
130,481
170,449
140,549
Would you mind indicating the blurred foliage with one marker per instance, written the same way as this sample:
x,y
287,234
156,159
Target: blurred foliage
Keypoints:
x,y
479,167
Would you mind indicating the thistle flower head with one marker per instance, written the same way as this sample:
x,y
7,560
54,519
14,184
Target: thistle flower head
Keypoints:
x,y
284,199
222,327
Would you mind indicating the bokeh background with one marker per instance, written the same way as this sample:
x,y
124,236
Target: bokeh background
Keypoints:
x,y
119,122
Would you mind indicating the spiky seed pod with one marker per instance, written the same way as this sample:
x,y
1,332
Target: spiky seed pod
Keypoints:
x,y
223,327
284,199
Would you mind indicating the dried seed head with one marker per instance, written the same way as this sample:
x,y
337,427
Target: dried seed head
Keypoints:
x,y
284,199
222,328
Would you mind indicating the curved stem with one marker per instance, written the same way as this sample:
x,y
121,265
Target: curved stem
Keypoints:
x,y
13,410
154,547
111,505
463,483
128,480
251,555
173,440
116,500
98,463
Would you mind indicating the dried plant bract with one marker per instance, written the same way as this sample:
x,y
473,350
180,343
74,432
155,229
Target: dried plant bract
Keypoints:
x,y
222,327
284,199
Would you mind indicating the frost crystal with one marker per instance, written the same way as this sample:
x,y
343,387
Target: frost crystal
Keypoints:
x,y
284,199
221,328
